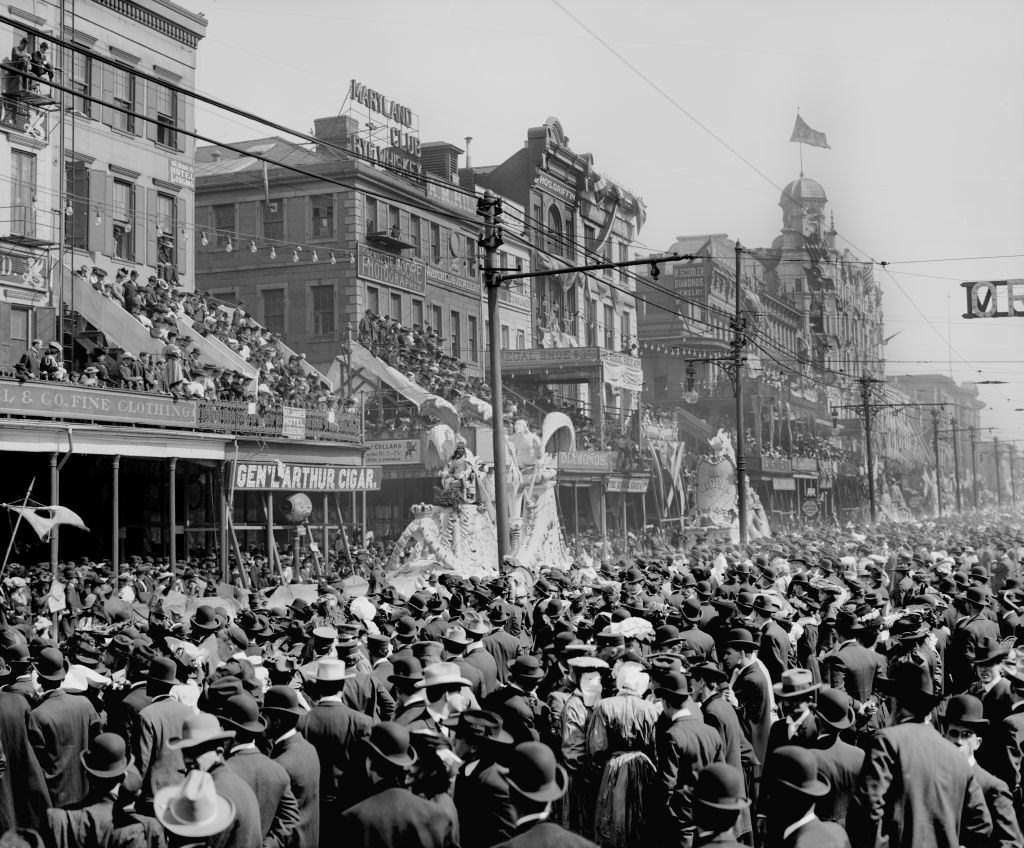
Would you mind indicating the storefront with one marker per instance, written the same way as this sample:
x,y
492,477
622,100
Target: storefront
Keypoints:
x,y
627,503
582,486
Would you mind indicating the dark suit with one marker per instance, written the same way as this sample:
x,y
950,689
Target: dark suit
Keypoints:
x,y
483,662
996,702
482,800
1002,754
24,796
123,712
299,758
433,629
545,834
815,834
62,727
963,646
774,650
1006,832
700,643
525,715
917,790
840,763
382,670
504,647
279,812
395,818
753,694
720,840
336,731
367,695
244,831
736,748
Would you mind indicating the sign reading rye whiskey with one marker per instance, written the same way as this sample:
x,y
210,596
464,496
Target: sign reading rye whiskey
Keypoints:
x,y
291,476
984,299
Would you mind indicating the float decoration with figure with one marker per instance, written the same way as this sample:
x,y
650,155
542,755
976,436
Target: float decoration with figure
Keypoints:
x,y
716,499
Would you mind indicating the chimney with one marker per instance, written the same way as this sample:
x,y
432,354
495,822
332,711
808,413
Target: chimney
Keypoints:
x,y
336,131
469,163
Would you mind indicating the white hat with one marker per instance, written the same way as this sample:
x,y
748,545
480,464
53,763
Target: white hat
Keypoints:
x,y
330,669
193,807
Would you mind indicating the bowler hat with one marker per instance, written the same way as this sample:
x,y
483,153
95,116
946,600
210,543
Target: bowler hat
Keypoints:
x,y
527,666
480,725
242,713
666,636
389,741
797,769
990,650
720,787
966,710
162,670
406,628
740,638
912,686
534,773
834,708
979,595
674,686
405,669
106,756
282,699
691,609
206,618
51,665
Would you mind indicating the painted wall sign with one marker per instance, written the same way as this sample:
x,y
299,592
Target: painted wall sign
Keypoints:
x,y
293,422
50,400
392,452
453,281
290,476
391,270
181,173
985,298
557,189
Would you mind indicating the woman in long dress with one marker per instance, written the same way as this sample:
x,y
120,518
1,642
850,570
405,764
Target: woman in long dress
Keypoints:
x,y
174,372
621,740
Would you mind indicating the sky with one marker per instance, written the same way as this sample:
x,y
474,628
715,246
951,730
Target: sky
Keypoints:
x,y
691,105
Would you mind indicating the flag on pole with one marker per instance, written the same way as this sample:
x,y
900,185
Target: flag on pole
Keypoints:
x,y
44,518
805,135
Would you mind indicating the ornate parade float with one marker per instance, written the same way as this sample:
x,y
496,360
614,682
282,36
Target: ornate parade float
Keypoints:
x,y
715,509
458,531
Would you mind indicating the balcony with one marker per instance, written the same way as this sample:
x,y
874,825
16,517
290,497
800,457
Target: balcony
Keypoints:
x,y
805,464
389,239
18,226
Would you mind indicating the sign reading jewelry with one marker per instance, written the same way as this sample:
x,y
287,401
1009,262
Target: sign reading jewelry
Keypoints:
x,y
290,476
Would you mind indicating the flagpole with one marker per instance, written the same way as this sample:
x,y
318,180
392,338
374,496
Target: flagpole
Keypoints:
x,y
17,524
801,159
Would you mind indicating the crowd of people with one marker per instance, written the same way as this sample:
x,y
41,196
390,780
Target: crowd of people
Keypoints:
x,y
843,687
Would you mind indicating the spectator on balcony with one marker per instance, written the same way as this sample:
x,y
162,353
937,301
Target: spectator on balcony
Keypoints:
x,y
41,66
90,377
131,292
30,359
51,366
21,60
130,373
150,378
367,329
174,371
117,287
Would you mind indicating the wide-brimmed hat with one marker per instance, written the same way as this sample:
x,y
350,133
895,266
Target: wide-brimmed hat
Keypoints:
x,y
990,651
330,670
442,674
966,710
389,741
720,786
534,773
193,808
282,699
475,624
199,729
795,682
455,635
106,756
740,638
834,708
480,725
797,769
527,666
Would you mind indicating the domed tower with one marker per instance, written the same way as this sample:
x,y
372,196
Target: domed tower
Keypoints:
x,y
803,211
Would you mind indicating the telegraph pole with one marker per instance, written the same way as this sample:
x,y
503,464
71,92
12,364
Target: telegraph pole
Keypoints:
x,y
869,451
938,467
999,482
489,208
974,464
1013,474
738,342
956,464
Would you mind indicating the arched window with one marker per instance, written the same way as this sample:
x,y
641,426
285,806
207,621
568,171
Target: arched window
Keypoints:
x,y
555,241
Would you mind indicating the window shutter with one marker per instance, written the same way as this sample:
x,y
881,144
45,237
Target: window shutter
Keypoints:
x,y
151,125
80,220
96,72
46,323
142,226
180,141
107,224
152,253
295,220
105,72
183,244
139,105
97,205
5,337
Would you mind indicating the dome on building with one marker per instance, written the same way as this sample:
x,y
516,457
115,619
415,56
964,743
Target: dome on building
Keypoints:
x,y
803,190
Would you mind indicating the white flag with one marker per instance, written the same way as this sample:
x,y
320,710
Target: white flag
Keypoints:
x,y
44,518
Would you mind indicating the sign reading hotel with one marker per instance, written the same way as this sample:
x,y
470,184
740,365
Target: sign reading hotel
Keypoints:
x,y
392,452
181,174
985,298
389,270
403,141
65,401
296,477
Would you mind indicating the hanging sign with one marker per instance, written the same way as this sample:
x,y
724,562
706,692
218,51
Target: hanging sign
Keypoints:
x,y
984,299
293,422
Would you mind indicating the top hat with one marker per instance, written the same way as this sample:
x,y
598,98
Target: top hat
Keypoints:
x,y
442,674
966,710
282,699
794,683
199,729
720,786
534,773
389,741
480,725
193,808
797,769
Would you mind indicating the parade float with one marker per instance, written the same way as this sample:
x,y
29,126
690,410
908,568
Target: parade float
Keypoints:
x,y
715,511
457,533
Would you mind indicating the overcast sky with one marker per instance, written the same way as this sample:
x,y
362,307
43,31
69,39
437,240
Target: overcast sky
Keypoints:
x,y
923,104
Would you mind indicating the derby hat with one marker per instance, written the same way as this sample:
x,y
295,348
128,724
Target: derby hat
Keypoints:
x,y
405,669
498,612
481,725
990,651
740,638
106,756
674,686
709,672
242,713
979,596
767,604
193,808
691,609
426,650
534,773
51,665
162,670
442,674
794,683
207,618
406,628
797,769
389,741
720,786
912,686
282,699
666,636
526,666
834,708
966,710
198,730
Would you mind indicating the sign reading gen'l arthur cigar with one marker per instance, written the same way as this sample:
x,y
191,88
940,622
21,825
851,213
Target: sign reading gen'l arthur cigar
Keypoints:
x,y
298,477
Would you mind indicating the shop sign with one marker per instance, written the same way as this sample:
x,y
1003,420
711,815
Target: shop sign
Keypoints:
x,y
557,189
181,174
587,356
594,462
629,485
784,484
809,507
389,270
64,401
514,295
30,271
392,452
629,377
453,281
454,197
293,422
983,299
290,476
688,280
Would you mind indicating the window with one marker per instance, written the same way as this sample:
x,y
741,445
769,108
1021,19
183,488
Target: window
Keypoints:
x,y
371,215
457,335
23,193
606,255
322,299
437,319
504,337
435,244
415,236
589,237
322,206
537,224
223,223
123,82
81,82
555,244
625,330
417,313
273,219
394,222
166,115
123,214
272,310
474,354
571,322
76,188
396,306
373,300
471,257
167,229
21,330
609,328
591,322
623,257
520,339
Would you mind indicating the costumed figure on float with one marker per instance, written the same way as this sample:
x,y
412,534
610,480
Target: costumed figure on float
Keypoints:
x,y
716,499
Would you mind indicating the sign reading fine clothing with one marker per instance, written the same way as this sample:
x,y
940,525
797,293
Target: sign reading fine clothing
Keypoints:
x,y
56,400
289,476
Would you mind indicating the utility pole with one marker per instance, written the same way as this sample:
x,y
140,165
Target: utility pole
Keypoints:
x,y
869,450
999,482
956,463
489,208
974,464
738,341
938,467
1013,474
